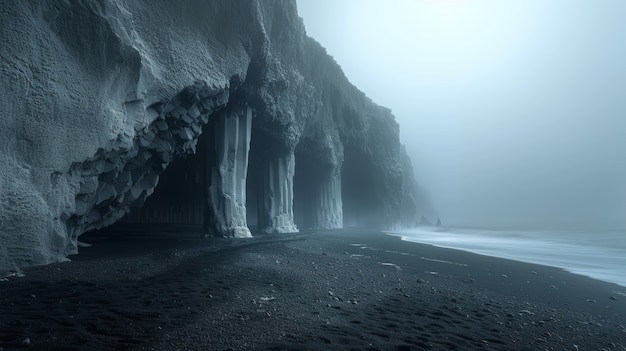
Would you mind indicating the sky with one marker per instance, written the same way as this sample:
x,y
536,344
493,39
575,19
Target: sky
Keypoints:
x,y
513,112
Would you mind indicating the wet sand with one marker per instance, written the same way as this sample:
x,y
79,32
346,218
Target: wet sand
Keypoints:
x,y
340,290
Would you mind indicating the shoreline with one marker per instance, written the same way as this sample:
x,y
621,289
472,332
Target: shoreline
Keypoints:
x,y
335,290
599,273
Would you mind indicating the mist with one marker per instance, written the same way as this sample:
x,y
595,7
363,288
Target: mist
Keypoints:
x,y
513,112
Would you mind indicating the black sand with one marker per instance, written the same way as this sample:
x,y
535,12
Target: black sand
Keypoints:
x,y
345,290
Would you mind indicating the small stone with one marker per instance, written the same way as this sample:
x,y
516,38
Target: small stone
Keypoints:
x,y
613,298
24,341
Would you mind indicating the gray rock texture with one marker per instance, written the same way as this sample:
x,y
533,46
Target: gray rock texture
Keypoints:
x,y
101,97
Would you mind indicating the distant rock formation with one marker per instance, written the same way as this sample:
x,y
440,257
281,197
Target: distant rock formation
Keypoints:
x,y
410,197
228,106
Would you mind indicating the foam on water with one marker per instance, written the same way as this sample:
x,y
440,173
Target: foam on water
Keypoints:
x,y
600,255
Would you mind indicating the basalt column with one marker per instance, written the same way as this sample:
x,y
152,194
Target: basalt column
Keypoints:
x,y
226,196
328,206
275,195
318,200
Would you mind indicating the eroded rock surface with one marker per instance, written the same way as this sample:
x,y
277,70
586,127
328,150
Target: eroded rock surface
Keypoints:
x,y
101,98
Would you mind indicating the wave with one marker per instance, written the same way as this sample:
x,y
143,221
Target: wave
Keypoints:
x,y
596,254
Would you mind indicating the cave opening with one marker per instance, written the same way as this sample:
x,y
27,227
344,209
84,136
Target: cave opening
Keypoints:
x,y
116,184
307,187
204,192
178,202
239,178
359,196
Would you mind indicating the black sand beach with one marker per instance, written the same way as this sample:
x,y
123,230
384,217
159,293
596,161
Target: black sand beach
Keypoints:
x,y
343,290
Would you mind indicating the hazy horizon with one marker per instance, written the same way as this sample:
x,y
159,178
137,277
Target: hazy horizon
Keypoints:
x,y
512,112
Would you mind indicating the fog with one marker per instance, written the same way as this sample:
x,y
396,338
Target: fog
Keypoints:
x,y
513,112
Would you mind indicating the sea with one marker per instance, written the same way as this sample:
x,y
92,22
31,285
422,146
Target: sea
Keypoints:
x,y
597,254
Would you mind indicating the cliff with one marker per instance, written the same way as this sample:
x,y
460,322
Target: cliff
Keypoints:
x,y
239,118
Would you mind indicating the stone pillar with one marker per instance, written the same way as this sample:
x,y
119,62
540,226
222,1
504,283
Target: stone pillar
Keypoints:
x,y
227,189
276,195
327,206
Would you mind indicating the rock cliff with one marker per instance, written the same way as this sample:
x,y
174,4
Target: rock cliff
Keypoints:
x,y
227,106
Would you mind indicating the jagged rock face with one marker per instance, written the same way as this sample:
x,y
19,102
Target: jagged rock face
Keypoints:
x,y
100,98
114,181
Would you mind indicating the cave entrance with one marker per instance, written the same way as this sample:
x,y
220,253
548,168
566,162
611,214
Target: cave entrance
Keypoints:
x,y
306,189
178,203
240,177
203,193
359,197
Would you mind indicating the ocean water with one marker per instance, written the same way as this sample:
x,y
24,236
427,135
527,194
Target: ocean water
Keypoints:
x,y
597,254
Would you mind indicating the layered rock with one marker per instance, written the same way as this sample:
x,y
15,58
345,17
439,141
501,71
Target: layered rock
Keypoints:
x,y
101,100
